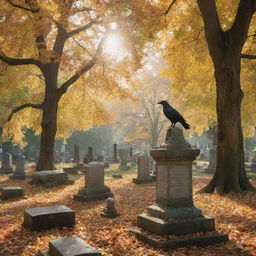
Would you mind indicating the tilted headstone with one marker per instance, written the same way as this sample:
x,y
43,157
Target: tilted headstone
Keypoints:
x,y
123,155
19,173
110,209
94,188
6,163
174,212
143,169
41,218
70,246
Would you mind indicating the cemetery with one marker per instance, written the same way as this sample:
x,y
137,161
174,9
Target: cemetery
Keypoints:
x,y
127,128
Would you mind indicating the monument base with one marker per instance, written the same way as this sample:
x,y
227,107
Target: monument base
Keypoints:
x,y
18,177
89,194
142,180
176,243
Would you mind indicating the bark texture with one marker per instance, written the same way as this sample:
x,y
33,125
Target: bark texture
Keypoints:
x,y
225,49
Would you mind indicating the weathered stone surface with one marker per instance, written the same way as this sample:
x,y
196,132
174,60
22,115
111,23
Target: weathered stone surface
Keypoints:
x,y
6,166
94,188
173,244
49,217
50,178
70,170
11,192
19,173
123,155
110,210
70,246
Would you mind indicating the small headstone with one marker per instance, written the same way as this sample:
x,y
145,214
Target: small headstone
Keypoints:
x,y
94,188
50,178
70,246
123,155
117,176
6,163
143,169
19,173
11,192
106,164
110,210
41,218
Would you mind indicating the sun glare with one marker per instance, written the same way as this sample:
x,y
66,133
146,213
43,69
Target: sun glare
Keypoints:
x,y
113,45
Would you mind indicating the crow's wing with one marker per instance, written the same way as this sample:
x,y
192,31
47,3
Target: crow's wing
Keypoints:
x,y
173,115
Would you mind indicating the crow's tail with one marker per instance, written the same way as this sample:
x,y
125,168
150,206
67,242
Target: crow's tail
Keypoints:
x,y
185,125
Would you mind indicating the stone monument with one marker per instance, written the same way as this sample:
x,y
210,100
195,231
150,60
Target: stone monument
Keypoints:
x,y
212,160
174,213
76,154
115,160
94,188
253,165
143,169
89,156
19,173
6,163
110,210
123,155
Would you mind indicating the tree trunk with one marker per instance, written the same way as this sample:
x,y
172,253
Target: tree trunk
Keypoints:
x,y
230,172
49,121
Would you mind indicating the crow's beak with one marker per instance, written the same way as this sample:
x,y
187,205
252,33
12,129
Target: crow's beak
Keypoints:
x,y
159,102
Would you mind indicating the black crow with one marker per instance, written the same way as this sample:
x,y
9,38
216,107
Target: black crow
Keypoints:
x,y
173,115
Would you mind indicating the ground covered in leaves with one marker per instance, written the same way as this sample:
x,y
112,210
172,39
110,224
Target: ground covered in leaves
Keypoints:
x,y
235,215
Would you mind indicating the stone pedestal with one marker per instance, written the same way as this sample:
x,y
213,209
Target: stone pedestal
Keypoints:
x,y
94,188
174,212
19,173
70,246
143,170
6,166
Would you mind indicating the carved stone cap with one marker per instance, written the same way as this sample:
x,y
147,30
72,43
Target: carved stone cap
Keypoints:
x,y
175,139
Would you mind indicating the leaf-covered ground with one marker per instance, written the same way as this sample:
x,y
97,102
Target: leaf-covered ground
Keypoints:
x,y
234,214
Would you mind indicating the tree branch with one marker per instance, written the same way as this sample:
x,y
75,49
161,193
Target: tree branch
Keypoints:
x,y
16,62
248,56
61,90
22,7
78,30
169,8
26,105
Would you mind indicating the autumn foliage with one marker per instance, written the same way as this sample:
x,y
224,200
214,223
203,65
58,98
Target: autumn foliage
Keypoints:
x,y
234,214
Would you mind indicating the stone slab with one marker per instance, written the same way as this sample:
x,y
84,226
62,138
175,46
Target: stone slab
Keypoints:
x,y
41,218
18,176
70,246
70,170
142,180
11,192
176,226
173,244
117,176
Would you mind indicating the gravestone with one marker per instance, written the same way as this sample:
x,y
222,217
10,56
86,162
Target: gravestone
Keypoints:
x,y
51,178
19,173
41,218
123,155
70,170
6,163
76,154
117,176
70,246
143,169
115,160
253,165
57,157
94,188
11,192
174,213
212,160
110,209
130,153
89,156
